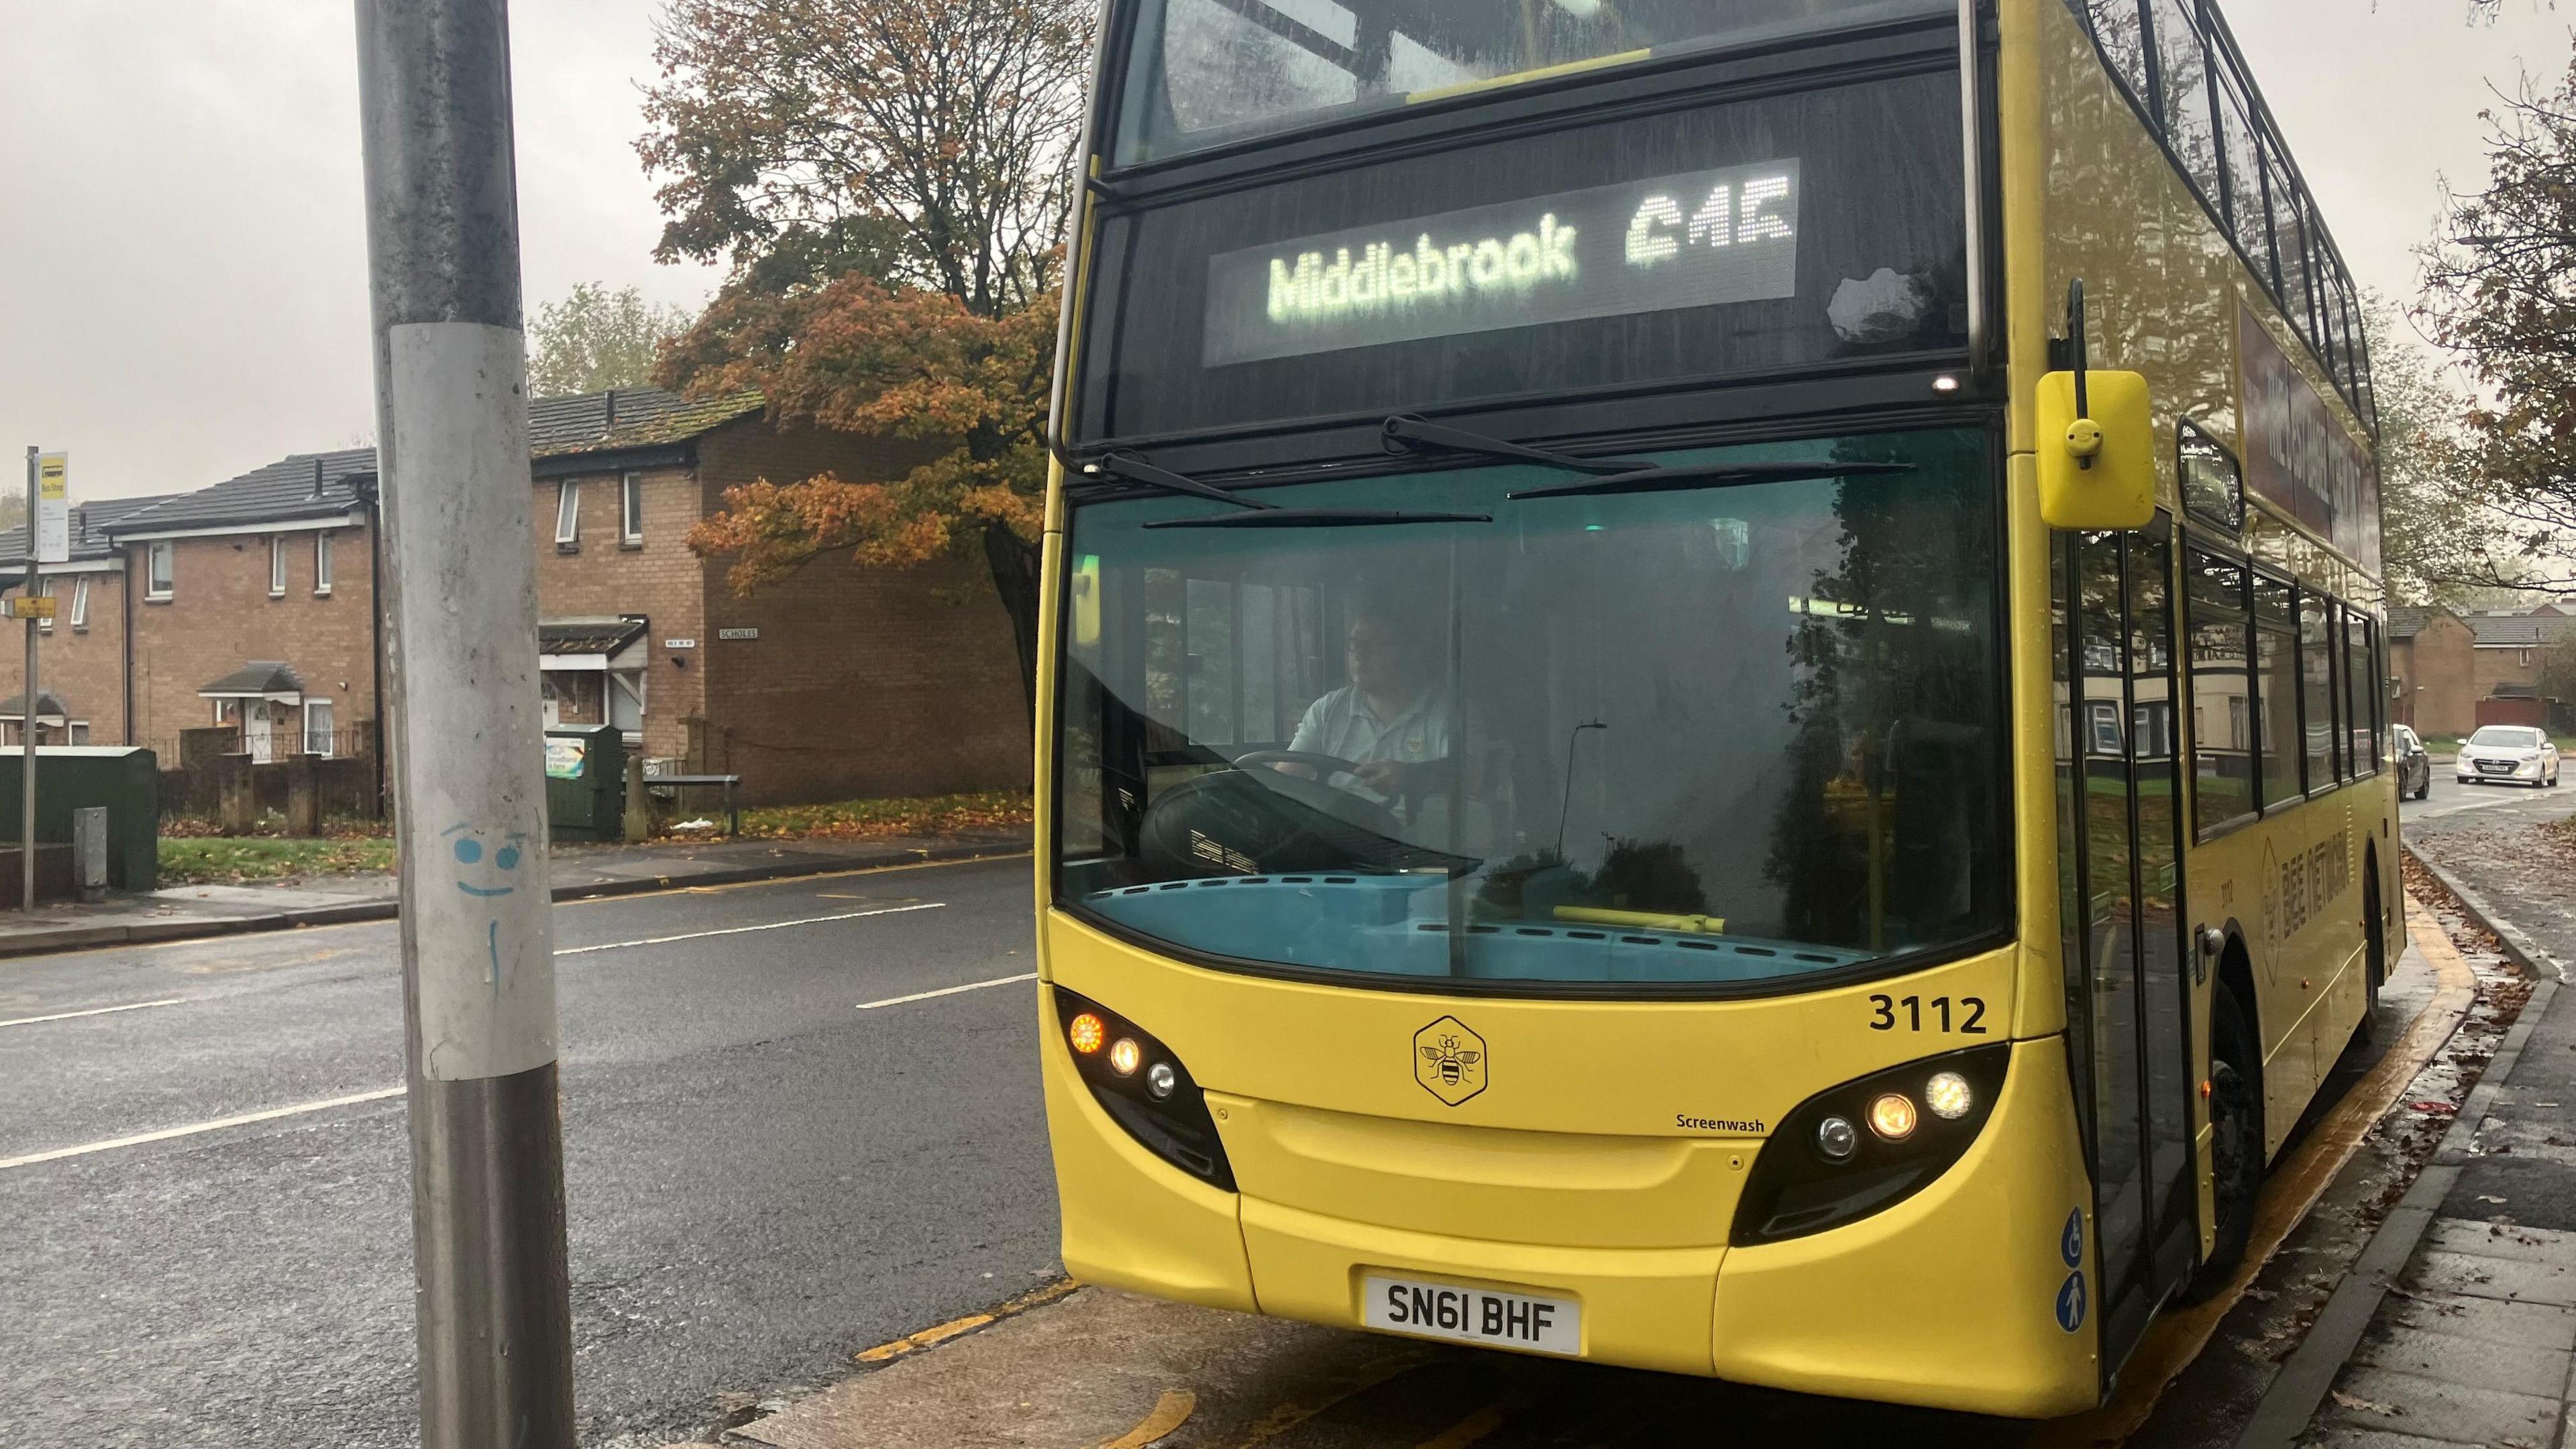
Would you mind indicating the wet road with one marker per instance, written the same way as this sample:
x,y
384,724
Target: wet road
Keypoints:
x,y
762,1176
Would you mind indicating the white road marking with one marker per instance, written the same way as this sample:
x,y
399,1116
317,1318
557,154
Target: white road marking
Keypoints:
x,y
96,1011
220,1123
926,995
738,930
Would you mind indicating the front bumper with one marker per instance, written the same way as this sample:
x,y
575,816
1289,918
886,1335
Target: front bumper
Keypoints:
x,y
1948,1299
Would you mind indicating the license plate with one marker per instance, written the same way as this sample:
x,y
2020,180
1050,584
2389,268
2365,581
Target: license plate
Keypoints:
x,y
1488,1316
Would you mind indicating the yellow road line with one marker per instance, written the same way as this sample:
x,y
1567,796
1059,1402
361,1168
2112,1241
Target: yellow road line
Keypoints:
x,y
1169,1413
939,1333
2179,1335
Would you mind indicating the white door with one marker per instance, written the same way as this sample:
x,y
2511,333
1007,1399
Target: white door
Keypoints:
x,y
255,731
553,702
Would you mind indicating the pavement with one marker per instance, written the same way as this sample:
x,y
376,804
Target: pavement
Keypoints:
x,y
781,1148
580,872
2457,1323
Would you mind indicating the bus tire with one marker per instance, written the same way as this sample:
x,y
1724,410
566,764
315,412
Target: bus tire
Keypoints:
x,y
2235,1141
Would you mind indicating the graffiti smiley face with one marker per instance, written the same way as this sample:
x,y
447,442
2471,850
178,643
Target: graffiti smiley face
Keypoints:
x,y
483,871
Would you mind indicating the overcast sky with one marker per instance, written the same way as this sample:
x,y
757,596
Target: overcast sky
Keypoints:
x,y
183,290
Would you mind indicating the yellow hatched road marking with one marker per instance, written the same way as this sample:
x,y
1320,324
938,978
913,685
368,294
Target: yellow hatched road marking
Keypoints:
x,y
1477,1425
1169,1413
2177,1337
942,1332
1283,1417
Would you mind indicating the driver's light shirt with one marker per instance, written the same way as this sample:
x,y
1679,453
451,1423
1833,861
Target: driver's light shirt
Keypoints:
x,y
1342,725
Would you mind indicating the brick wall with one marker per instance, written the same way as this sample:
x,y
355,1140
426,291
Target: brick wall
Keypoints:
x,y
603,576
220,616
863,681
86,667
2436,673
2506,665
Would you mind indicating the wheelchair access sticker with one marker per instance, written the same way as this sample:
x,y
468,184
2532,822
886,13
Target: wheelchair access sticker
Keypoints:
x,y
2070,1243
2070,1302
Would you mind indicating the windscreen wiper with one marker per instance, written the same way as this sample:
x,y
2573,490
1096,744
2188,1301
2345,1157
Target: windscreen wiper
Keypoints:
x,y
1271,517
1405,433
1662,478
1259,514
1136,470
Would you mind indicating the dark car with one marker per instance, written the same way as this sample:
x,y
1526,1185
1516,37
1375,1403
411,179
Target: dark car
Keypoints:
x,y
2414,766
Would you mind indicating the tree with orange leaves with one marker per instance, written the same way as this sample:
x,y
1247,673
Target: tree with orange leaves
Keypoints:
x,y
887,179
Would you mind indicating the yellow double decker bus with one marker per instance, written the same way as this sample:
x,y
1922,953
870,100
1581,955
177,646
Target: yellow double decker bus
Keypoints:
x,y
1710,693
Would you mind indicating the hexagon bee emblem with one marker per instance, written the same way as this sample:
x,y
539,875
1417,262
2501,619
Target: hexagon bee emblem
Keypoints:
x,y
1449,1060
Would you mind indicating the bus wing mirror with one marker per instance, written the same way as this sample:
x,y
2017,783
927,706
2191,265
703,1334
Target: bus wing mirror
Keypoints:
x,y
2097,457
1085,588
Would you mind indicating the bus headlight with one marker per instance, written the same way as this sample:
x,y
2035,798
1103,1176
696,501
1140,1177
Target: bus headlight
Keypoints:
x,y
1159,1106
1837,1138
1921,1117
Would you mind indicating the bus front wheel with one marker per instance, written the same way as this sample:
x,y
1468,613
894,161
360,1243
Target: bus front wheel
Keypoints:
x,y
2235,1140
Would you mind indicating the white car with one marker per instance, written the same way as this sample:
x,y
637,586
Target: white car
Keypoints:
x,y
2508,755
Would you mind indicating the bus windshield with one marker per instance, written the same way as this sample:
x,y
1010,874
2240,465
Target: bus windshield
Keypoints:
x,y
1203,72
1696,738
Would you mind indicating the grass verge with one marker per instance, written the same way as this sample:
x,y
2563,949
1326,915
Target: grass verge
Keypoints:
x,y
216,860
870,819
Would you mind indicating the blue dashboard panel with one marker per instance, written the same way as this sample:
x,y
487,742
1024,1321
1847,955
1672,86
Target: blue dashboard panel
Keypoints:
x,y
1397,925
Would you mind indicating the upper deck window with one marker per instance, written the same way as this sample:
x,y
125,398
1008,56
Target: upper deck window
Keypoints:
x,y
1205,72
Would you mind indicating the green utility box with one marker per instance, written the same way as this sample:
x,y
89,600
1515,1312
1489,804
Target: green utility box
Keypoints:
x,y
585,783
127,781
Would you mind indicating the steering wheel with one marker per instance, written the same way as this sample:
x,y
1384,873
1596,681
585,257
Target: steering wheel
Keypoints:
x,y
1280,820
1323,792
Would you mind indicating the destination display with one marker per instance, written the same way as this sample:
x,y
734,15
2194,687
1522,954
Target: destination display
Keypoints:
x,y
1769,236
1695,239
2298,456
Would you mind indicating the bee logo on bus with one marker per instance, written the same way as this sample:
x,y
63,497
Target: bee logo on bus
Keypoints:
x,y
1449,1060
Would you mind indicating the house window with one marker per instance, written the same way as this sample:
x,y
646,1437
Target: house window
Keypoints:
x,y
80,603
276,567
156,574
317,728
322,562
630,527
45,590
568,514
2526,657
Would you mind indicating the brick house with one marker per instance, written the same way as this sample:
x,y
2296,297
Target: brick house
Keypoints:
x,y
2456,670
250,605
82,664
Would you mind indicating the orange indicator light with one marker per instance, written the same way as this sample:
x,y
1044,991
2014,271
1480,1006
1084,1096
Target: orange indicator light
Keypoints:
x,y
1892,1117
1087,1032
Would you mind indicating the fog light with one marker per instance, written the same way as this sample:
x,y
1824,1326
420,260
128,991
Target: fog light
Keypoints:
x,y
1124,1057
1837,1138
1948,1096
1892,1117
1160,1079
1086,1031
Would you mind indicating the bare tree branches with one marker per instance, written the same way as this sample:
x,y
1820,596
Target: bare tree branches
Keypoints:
x,y
936,132
2500,293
